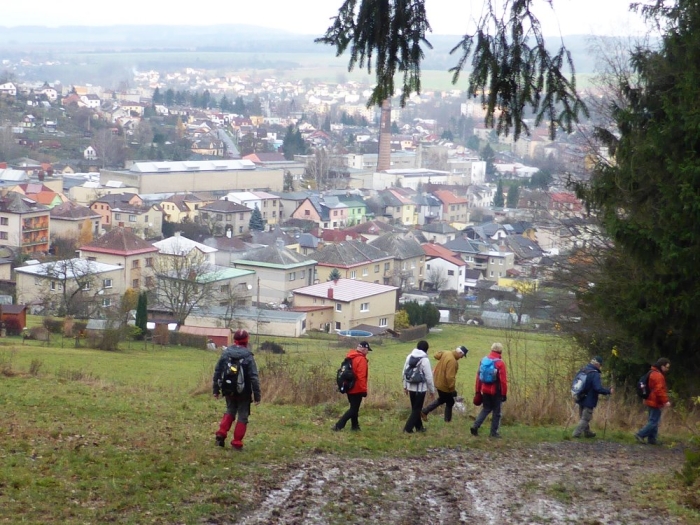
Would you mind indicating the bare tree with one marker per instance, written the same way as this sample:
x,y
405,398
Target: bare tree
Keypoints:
x,y
110,147
73,287
186,281
436,276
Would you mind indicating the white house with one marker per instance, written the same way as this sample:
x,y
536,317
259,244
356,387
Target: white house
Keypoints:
x,y
443,269
89,153
183,247
8,88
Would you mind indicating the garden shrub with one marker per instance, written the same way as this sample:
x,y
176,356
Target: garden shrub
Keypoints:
x,y
271,346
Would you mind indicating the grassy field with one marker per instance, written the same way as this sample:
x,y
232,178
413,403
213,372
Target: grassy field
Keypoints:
x,y
87,435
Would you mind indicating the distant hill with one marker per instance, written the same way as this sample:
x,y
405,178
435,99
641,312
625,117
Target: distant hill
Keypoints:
x,y
34,40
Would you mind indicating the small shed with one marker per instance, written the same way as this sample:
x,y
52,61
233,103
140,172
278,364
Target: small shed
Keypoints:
x,y
220,336
14,315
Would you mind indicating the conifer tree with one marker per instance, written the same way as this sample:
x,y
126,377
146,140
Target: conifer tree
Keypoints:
x,y
256,220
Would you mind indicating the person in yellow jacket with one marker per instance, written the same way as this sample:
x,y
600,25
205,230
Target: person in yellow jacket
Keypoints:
x,y
444,377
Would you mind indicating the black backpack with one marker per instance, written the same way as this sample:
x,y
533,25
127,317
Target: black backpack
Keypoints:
x,y
345,376
643,389
232,380
414,374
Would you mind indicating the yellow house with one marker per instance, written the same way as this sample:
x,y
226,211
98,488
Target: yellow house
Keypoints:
x,y
179,206
353,302
355,260
401,208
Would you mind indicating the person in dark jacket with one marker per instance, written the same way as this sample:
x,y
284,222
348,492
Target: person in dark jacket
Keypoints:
x,y
657,400
237,405
358,356
587,404
493,394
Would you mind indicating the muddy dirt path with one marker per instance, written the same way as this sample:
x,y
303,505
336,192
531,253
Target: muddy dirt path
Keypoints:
x,y
568,483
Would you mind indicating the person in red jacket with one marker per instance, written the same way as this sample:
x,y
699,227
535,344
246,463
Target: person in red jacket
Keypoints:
x,y
492,384
359,390
658,399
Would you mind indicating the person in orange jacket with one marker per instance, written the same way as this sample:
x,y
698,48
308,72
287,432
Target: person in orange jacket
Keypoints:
x,y
658,399
359,390
493,389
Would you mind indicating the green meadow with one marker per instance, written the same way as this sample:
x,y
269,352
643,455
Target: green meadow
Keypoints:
x,y
87,435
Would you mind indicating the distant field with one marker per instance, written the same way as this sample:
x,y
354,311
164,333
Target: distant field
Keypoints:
x,y
322,66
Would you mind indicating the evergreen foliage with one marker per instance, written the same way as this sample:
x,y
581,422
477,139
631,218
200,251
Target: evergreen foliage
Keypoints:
x,y
142,313
498,200
334,275
256,220
512,71
293,143
512,196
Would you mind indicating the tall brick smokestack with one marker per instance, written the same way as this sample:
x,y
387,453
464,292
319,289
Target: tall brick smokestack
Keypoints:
x,y
384,158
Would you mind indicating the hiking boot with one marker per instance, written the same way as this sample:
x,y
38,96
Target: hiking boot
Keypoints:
x,y
576,436
589,434
424,416
355,429
495,436
336,428
474,431
656,442
221,441
423,429
640,439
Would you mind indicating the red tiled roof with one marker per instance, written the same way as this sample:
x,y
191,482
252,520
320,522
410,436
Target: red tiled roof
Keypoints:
x,y
447,197
435,250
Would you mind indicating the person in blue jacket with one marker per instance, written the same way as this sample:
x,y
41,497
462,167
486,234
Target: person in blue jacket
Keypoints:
x,y
594,388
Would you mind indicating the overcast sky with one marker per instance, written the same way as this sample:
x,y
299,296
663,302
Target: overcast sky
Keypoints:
x,y
599,17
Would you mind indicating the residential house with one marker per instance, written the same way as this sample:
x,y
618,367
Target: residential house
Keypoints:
x,y
128,210
208,145
326,213
398,207
24,223
226,218
228,249
179,246
69,220
182,205
275,236
455,210
41,193
90,153
490,232
308,243
353,302
74,286
267,203
356,209
90,101
277,323
122,247
409,259
279,271
8,89
355,260
444,270
491,260
439,232
428,208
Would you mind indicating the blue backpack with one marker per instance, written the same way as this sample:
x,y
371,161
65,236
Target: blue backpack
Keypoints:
x,y
488,373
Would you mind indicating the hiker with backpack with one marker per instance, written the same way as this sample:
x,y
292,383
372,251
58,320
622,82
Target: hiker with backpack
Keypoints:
x,y
656,400
417,380
236,378
587,399
358,390
492,388
444,377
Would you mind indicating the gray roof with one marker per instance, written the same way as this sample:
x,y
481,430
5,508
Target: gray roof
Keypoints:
x,y
274,255
349,253
401,247
15,202
438,227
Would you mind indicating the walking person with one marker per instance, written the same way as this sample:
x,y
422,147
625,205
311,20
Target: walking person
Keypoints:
x,y
360,367
589,400
657,400
418,360
445,377
492,384
237,403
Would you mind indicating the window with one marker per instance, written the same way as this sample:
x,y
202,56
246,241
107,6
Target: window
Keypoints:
x,y
307,212
403,265
387,267
450,272
492,261
135,264
149,282
413,265
219,217
364,307
240,216
3,235
135,283
382,321
397,209
106,302
338,307
376,268
264,204
274,213
335,213
491,273
337,325
107,283
292,276
149,262
500,262
353,274
365,271
225,288
427,266
145,219
302,275
228,217
53,286
240,229
4,221
85,287
117,216
132,218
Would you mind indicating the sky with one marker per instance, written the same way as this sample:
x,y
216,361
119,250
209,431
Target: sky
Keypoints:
x,y
450,17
